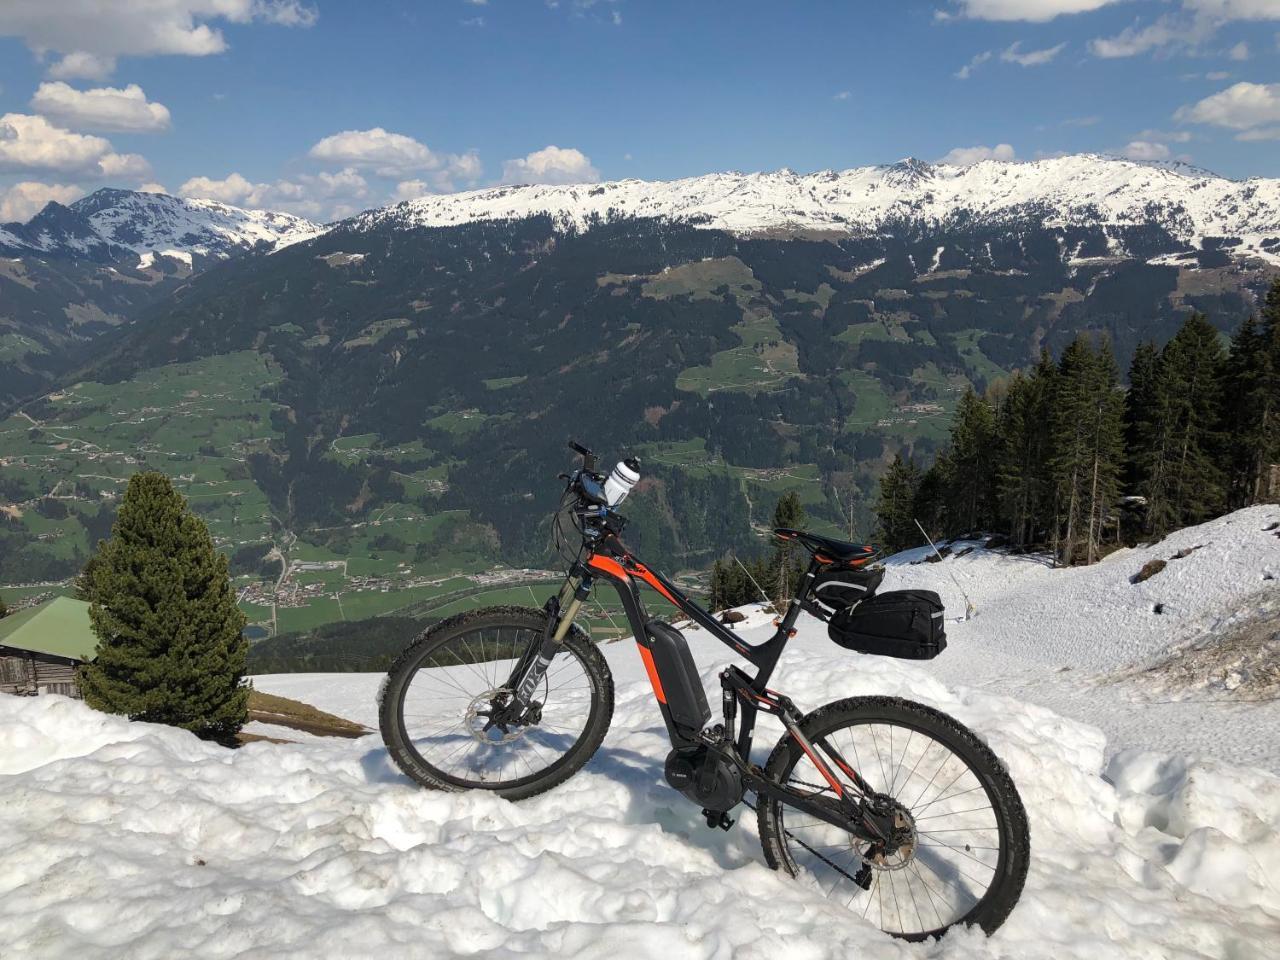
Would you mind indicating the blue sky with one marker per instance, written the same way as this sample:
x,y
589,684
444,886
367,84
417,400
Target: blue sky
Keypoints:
x,y
324,107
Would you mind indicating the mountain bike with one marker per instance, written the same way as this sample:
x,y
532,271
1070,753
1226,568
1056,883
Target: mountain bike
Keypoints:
x,y
888,806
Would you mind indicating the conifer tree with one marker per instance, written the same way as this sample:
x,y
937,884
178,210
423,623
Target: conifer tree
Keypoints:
x,y
170,642
1088,435
896,505
786,567
1141,413
1193,362
1023,487
970,491
1251,404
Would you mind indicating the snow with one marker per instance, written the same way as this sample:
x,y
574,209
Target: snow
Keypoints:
x,y
132,839
1060,191
154,223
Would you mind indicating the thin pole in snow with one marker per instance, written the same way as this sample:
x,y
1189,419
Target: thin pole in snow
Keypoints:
x,y
970,610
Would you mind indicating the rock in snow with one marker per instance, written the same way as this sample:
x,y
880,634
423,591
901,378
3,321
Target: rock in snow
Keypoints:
x,y
128,839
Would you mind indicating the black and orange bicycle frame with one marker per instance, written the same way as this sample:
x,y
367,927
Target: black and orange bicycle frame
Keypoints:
x,y
608,559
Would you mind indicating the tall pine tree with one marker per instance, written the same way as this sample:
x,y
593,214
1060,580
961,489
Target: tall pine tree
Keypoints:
x,y
786,566
896,504
1251,404
1088,437
1023,483
170,642
972,462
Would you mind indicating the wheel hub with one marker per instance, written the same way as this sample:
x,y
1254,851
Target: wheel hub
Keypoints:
x,y
897,852
491,720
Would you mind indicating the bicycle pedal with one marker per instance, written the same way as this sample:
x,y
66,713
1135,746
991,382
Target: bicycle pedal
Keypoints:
x,y
718,818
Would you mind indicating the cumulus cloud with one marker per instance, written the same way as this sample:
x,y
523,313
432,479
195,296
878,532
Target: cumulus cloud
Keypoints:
x,y
322,196
1031,58
90,35
396,155
1249,108
842,95
1032,10
1145,150
966,156
551,164
1239,52
82,66
965,72
1135,39
124,110
152,187
25,199
32,143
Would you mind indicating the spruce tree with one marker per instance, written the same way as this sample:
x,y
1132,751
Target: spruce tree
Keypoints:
x,y
1142,412
1193,362
1088,437
1023,488
170,642
786,565
896,504
973,440
1251,404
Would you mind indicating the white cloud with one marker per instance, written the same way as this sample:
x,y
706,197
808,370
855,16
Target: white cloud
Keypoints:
x,y
25,199
1225,10
1032,58
322,195
965,72
1245,107
842,95
966,156
1216,75
83,66
105,108
551,164
410,190
1145,150
152,187
1196,22
472,22
1164,136
32,143
1033,10
396,155
1133,40
1260,133
90,34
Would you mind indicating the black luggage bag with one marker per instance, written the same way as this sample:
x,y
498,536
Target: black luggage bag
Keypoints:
x,y
907,624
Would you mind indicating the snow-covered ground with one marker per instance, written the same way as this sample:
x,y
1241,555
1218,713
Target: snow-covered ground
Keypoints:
x,y
127,839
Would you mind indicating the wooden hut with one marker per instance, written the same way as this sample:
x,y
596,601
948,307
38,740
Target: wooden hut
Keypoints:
x,y
40,647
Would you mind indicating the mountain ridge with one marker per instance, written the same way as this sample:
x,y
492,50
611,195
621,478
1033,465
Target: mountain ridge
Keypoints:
x,y
1194,207
111,224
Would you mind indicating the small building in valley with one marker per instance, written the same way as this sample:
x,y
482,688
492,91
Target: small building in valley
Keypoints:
x,y
40,647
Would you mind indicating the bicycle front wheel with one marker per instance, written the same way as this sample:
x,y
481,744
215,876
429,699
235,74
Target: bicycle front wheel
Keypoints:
x,y
446,714
960,852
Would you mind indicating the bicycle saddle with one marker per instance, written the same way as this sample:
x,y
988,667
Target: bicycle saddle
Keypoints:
x,y
828,549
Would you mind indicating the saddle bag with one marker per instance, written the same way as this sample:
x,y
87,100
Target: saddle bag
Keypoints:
x,y
838,586
907,624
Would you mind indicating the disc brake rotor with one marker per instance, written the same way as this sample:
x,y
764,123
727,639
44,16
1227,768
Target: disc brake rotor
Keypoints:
x,y
488,719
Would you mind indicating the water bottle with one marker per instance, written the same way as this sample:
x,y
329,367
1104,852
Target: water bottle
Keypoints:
x,y
625,476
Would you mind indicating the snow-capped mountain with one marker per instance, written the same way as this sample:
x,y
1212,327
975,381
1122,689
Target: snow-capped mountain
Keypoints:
x,y
1085,189
114,224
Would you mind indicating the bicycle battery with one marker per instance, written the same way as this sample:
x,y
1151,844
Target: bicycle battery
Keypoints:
x,y
681,685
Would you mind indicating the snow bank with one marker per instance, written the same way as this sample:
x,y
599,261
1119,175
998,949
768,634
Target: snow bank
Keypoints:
x,y
131,839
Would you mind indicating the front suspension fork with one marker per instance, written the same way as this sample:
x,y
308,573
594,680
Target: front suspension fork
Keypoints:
x,y
561,611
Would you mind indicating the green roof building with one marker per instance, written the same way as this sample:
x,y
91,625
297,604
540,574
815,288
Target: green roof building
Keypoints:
x,y
41,646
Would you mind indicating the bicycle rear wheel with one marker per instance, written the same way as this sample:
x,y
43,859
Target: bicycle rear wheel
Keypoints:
x,y
443,708
961,853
